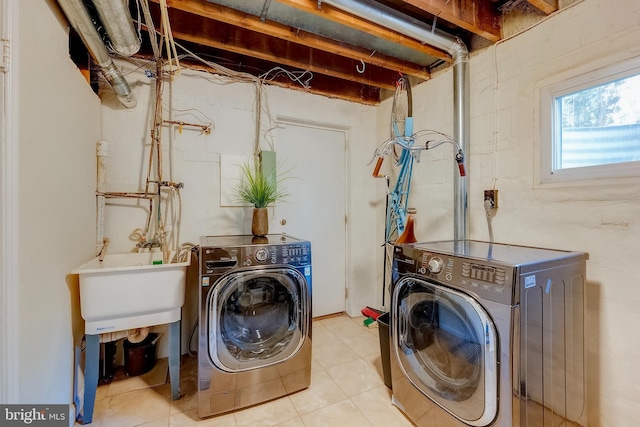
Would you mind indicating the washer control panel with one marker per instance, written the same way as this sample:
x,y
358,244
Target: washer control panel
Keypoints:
x,y
215,259
485,279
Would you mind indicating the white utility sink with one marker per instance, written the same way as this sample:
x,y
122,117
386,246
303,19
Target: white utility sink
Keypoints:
x,y
127,291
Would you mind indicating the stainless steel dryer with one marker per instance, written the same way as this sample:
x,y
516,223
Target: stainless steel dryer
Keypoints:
x,y
488,334
255,320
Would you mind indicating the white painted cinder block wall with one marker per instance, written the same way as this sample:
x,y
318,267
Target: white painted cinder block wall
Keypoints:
x,y
602,219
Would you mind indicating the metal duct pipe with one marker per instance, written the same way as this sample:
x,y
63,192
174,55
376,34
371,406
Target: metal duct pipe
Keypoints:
x,y
117,21
81,21
461,133
410,27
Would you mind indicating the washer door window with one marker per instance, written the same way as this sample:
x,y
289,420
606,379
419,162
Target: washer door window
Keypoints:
x,y
446,344
257,318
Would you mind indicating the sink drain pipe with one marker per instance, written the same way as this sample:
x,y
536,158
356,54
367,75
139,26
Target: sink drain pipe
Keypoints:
x,y
411,27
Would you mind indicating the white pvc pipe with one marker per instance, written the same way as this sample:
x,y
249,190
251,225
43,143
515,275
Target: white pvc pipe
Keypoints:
x,y
133,335
102,152
113,336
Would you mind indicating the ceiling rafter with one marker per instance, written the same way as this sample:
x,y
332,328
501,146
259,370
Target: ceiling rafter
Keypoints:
x,y
480,17
342,18
273,29
547,6
274,53
351,58
206,32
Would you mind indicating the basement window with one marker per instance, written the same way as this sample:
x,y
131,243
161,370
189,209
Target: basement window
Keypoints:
x,y
590,125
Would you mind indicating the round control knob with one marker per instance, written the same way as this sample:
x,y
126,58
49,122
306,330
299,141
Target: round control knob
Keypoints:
x,y
435,265
262,254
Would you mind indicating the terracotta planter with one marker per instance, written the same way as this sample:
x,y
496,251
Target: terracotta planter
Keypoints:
x,y
260,222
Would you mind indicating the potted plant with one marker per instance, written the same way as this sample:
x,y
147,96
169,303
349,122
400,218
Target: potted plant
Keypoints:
x,y
260,190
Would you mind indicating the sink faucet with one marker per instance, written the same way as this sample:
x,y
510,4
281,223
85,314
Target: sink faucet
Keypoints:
x,y
103,251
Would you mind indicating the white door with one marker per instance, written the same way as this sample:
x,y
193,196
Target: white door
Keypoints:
x,y
315,207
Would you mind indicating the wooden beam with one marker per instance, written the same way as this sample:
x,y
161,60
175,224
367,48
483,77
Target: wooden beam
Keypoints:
x,y
206,32
230,16
547,6
480,17
337,16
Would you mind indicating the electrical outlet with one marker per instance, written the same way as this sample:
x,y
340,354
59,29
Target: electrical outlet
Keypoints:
x,y
493,196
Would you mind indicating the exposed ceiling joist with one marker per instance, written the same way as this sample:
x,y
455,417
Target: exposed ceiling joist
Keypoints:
x,y
480,17
313,46
547,6
230,16
341,18
245,42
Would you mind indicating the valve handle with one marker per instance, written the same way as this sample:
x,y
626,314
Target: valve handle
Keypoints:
x,y
376,170
460,161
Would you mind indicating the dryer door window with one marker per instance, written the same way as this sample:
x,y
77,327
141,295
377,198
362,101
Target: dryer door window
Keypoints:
x,y
446,345
257,318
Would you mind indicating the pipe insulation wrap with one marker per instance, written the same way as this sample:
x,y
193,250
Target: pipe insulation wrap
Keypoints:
x,y
81,21
117,21
411,27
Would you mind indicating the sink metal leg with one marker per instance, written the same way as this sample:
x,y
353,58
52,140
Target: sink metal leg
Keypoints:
x,y
91,361
174,359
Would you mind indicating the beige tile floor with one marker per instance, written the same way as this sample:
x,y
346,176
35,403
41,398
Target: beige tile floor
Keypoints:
x,y
346,390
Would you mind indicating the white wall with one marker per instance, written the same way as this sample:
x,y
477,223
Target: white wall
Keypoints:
x,y
603,220
58,124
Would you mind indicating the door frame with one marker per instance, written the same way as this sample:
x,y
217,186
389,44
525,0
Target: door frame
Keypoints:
x,y
9,156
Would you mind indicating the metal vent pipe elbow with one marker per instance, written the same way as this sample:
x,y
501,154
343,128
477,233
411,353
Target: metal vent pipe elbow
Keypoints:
x,y
81,21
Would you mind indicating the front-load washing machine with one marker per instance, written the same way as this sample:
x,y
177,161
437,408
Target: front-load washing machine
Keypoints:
x,y
487,334
254,322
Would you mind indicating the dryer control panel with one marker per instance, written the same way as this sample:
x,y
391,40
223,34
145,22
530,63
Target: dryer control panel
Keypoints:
x,y
487,280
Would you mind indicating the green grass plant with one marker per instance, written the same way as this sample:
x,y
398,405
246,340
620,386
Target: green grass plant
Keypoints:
x,y
259,189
